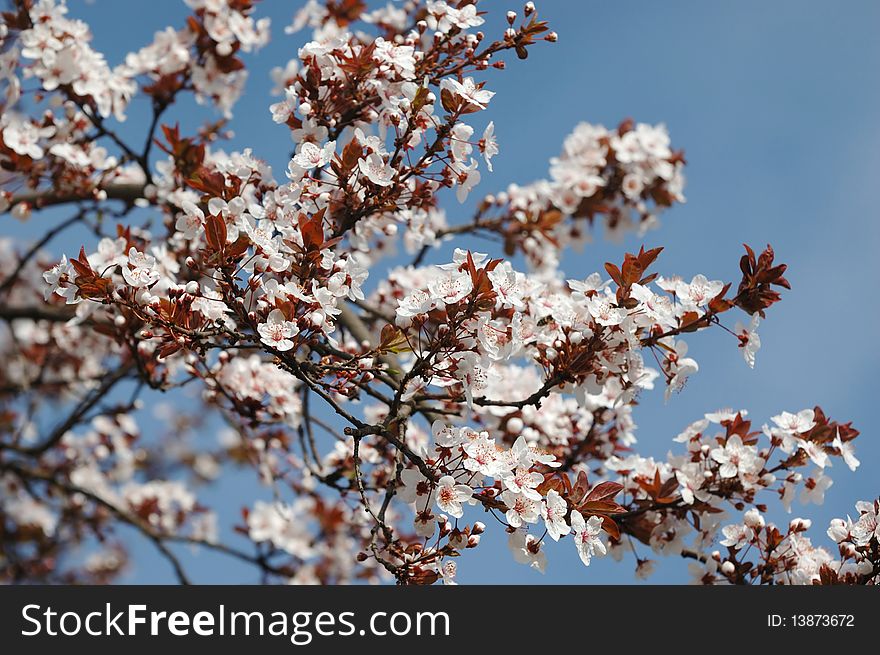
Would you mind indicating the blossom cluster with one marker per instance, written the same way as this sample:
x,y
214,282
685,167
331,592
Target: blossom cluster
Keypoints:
x,y
467,461
623,177
55,149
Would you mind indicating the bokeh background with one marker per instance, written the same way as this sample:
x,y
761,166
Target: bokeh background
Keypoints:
x,y
776,105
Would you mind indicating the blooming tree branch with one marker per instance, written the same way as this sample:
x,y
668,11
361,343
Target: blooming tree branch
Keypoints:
x,y
392,414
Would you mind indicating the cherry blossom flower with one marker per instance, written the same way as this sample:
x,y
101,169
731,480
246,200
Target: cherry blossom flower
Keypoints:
x,y
867,528
310,132
418,302
450,288
586,536
678,367
749,340
523,481
277,331
815,452
815,487
736,535
451,495
59,279
23,137
401,57
141,269
376,170
691,478
522,456
482,455
283,110
190,222
527,549
847,451
521,510
506,283
603,311
312,156
448,572
553,511
488,144
656,307
699,292
468,90
425,524
416,488
446,436
798,423
736,458
789,427
467,178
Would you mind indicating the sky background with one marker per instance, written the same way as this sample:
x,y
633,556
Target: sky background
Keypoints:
x,y
775,104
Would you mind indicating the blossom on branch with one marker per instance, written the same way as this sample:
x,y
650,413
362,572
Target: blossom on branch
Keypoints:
x,y
386,404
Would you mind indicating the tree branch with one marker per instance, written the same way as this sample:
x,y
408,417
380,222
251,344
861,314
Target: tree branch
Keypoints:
x,y
125,191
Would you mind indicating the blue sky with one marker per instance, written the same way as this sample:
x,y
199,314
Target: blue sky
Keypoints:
x,y
776,106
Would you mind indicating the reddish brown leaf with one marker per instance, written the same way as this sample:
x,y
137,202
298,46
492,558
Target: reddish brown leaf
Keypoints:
x,y
215,233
